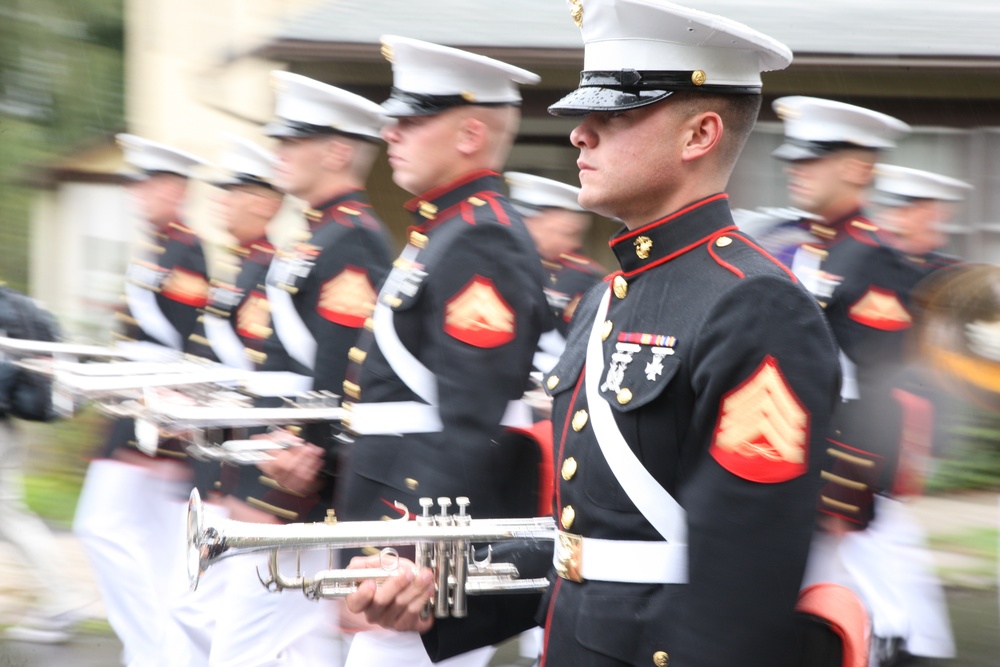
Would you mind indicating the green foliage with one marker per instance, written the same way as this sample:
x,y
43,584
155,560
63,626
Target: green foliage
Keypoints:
x,y
61,84
972,461
57,457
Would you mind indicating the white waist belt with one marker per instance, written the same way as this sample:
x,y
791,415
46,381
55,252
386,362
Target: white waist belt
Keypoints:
x,y
277,383
631,562
400,417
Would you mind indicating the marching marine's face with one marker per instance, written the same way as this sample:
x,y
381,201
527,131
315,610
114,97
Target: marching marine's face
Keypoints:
x,y
422,150
246,209
629,162
298,169
557,231
919,226
158,198
829,186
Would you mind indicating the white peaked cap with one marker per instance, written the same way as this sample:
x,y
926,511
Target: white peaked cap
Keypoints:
x,y
900,185
815,126
305,107
150,157
535,192
637,52
245,163
429,78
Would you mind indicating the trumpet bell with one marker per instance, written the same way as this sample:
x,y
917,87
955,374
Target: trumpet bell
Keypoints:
x,y
195,567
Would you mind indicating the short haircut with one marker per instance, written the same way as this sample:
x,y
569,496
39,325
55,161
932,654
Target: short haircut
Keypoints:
x,y
738,112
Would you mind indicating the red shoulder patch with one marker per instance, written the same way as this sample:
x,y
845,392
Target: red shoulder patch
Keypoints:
x,y
763,430
348,298
479,316
880,309
186,287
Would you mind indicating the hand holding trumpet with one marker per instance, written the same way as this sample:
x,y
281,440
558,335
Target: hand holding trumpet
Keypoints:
x,y
397,602
296,466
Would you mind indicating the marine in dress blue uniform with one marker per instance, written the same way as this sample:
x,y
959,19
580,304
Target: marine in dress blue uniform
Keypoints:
x,y
319,291
558,224
322,289
865,283
860,280
130,502
692,399
447,356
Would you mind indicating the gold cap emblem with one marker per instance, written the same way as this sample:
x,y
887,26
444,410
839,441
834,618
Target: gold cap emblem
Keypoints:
x,y
723,241
568,514
620,287
661,659
386,51
698,77
643,245
580,420
624,396
577,12
568,468
608,328
468,96
552,382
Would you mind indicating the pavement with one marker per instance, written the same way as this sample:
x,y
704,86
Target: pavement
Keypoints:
x,y
959,527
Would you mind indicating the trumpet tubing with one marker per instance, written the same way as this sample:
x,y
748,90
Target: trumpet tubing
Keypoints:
x,y
443,543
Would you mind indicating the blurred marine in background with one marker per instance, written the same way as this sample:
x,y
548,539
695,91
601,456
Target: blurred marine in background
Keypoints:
x,y
129,516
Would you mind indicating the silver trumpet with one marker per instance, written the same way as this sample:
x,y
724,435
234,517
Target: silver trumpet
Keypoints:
x,y
443,542
201,417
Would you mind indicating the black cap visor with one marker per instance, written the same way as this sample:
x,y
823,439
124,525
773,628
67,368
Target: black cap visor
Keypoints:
x,y
283,128
797,150
402,104
630,89
237,180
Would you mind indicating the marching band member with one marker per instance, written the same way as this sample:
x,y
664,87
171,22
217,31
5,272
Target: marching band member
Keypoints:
x,y
319,294
696,387
864,285
127,517
447,355
886,561
231,330
558,225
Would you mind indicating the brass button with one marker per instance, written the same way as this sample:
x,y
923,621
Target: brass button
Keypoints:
x,y
624,396
476,201
620,287
568,514
353,390
661,659
552,382
417,239
369,324
643,246
580,420
568,468
723,241
608,328
411,483
427,210
357,355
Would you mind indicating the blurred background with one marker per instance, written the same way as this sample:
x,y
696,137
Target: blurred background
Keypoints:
x,y
75,72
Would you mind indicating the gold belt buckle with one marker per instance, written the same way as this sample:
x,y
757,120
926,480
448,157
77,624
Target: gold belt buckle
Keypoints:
x,y
569,556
